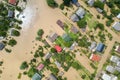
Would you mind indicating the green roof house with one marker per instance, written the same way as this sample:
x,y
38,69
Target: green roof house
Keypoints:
x,y
36,76
66,37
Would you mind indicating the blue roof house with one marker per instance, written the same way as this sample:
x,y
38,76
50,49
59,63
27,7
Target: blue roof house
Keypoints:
x,y
100,47
74,1
36,76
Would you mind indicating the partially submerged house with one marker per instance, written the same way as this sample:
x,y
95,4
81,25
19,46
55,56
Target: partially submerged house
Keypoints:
x,y
74,18
117,49
52,37
52,77
116,26
110,69
109,77
60,23
114,59
36,76
95,57
74,29
10,13
80,12
90,2
100,47
2,45
13,2
40,67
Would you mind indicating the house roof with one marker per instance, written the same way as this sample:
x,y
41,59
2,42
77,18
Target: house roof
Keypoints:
x,y
99,10
95,57
74,1
116,26
66,37
100,47
117,68
80,12
110,69
117,49
13,2
36,76
58,48
114,59
60,23
118,64
73,45
93,45
40,67
48,55
57,64
52,77
74,29
118,16
106,77
91,2
1,46
74,18
52,37
10,13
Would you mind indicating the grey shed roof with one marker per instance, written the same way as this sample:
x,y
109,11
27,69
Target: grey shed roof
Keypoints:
x,y
10,13
80,12
99,10
110,69
74,18
52,37
47,56
36,76
116,26
52,77
2,46
74,29
91,2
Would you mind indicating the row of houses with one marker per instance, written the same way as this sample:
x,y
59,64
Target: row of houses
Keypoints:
x,y
79,14
112,69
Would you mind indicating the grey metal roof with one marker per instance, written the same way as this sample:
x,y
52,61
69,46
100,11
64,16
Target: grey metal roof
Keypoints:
x,y
91,2
52,77
80,12
36,76
10,13
74,18
2,46
110,69
116,26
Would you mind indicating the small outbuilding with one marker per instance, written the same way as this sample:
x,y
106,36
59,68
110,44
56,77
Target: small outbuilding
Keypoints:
x,y
36,76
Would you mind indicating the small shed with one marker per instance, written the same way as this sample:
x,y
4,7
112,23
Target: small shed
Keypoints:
x,y
118,16
57,64
117,49
48,55
91,2
74,18
74,29
10,14
52,37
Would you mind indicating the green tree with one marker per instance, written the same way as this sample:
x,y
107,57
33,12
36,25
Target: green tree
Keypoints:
x,y
15,33
82,23
52,3
12,42
24,65
66,2
99,4
40,32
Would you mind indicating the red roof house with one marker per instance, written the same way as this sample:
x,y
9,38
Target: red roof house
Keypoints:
x,y
58,48
40,67
13,2
95,57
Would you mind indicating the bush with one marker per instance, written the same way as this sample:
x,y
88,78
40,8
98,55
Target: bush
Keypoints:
x,y
98,16
24,65
61,6
40,32
66,2
100,26
12,42
52,3
15,33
